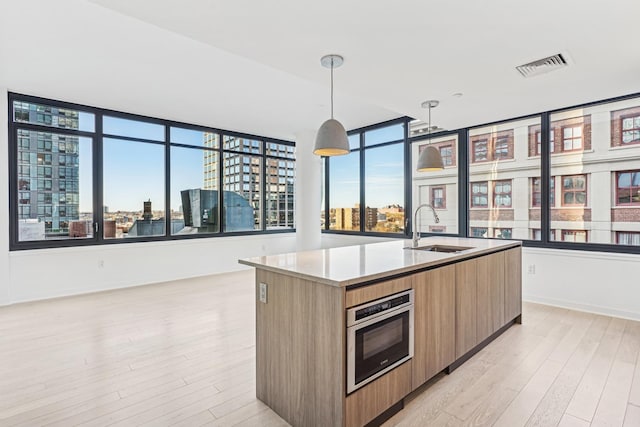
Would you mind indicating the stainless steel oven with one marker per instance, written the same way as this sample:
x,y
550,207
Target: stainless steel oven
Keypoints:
x,y
379,338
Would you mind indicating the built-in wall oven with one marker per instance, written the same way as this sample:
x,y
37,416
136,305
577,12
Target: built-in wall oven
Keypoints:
x,y
379,338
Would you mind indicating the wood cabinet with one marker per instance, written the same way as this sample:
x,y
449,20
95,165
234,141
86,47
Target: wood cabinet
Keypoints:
x,y
434,323
466,306
512,283
488,296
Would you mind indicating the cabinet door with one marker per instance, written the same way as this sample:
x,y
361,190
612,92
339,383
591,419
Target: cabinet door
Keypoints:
x,y
512,284
490,294
466,306
434,323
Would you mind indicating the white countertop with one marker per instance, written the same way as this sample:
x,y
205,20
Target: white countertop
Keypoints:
x,y
350,265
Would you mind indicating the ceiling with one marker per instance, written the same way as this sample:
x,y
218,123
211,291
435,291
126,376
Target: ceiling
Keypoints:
x,y
254,66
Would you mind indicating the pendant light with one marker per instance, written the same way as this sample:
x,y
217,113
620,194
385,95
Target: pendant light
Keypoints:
x,y
331,139
430,159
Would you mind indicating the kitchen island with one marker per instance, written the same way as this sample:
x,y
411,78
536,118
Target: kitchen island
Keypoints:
x,y
462,299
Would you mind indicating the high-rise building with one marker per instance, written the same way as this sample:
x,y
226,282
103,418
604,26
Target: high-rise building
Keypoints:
x,y
48,170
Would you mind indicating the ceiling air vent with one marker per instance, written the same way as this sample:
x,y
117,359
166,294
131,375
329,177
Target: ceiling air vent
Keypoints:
x,y
543,65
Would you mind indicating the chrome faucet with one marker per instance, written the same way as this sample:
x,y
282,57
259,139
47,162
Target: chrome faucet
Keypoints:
x,y
416,235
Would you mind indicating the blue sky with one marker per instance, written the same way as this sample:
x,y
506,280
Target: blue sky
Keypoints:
x,y
134,171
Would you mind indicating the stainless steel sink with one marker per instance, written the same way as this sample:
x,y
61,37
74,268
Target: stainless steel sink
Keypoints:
x,y
441,248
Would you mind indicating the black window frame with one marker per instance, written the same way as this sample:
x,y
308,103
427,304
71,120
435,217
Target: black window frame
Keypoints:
x,y
97,136
463,163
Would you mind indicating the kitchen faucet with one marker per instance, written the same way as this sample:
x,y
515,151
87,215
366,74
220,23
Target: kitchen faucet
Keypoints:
x,y
416,235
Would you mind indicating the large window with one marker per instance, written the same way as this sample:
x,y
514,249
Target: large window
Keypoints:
x,y
589,154
366,186
438,189
60,199
500,185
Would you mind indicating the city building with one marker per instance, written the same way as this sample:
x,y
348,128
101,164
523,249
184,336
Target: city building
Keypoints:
x,y
48,172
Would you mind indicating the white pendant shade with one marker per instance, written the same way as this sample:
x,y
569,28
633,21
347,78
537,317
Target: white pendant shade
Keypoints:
x,y
331,139
430,160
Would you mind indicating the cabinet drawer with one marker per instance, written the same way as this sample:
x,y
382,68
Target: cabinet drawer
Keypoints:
x,y
377,290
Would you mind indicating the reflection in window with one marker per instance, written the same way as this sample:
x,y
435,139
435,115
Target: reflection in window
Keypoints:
x,y
628,238
502,194
536,192
574,190
438,200
628,188
479,194
631,129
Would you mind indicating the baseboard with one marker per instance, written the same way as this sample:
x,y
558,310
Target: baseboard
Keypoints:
x,y
587,308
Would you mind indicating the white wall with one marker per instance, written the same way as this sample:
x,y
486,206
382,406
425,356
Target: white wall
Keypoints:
x,y
603,283
4,195
47,273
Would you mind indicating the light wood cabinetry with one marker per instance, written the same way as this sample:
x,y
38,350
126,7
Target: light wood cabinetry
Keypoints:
x,y
512,281
490,294
466,306
365,294
300,336
365,404
434,322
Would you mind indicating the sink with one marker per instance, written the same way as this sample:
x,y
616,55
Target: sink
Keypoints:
x,y
441,248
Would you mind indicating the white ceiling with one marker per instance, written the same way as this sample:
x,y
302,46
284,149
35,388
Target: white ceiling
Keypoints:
x,y
254,66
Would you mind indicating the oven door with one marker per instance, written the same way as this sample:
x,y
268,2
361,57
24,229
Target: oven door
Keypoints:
x,y
378,345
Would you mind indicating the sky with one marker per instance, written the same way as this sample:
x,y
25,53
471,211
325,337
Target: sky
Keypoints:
x,y
384,171
133,171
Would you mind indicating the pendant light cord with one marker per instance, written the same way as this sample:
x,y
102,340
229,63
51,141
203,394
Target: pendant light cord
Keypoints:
x,y
332,88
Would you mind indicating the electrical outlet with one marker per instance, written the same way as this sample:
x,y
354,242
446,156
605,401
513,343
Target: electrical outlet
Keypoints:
x,y
532,269
263,293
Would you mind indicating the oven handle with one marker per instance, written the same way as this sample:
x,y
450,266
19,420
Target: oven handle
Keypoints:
x,y
351,312
363,323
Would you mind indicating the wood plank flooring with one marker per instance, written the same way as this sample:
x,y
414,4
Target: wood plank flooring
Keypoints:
x,y
182,353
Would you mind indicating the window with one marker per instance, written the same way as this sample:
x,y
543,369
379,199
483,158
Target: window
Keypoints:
x,y
480,150
384,188
536,192
446,152
438,188
491,146
502,194
502,233
478,232
631,130
628,238
628,188
572,138
501,149
539,142
344,192
574,236
53,195
438,198
574,190
479,194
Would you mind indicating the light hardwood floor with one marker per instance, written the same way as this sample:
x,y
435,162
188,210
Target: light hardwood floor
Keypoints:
x,y
182,353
